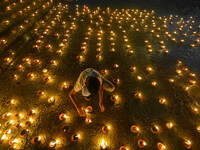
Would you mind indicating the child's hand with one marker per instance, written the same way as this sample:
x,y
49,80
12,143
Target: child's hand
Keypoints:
x,y
81,112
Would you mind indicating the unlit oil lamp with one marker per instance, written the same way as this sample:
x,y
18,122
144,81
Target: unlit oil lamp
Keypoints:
x,y
23,132
88,109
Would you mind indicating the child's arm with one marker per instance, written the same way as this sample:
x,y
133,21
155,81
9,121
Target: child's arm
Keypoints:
x,y
74,101
101,98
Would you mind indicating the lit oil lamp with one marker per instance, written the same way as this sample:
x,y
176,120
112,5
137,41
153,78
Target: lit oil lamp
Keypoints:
x,y
139,77
141,143
130,52
62,117
36,140
171,80
138,95
40,93
88,120
195,110
192,82
88,109
103,144
134,129
105,129
149,69
162,101
6,115
13,141
53,144
8,123
169,125
198,128
161,146
116,80
154,83
75,137
116,66
188,144
36,61
10,102
154,129
114,98
51,100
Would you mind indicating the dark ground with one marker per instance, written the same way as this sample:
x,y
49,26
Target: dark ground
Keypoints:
x,y
121,114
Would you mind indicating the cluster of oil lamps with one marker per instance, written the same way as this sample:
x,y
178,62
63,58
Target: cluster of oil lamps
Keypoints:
x,y
136,17
17,32
17,122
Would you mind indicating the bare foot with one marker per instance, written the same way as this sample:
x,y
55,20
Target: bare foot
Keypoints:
x,y
102,108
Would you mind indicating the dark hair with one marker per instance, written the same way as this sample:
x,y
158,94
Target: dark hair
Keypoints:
x,y
93,84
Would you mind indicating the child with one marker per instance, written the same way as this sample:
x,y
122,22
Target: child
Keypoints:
x,y
90,82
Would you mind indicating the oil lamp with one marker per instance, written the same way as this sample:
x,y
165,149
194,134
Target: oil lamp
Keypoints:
x,y
75,137
36,140
88,109
161,146
141,143
103,144
154,129
23,132
105,129
88,120
54,143
134,129
63,116
138,95
123,148
169,125
187,144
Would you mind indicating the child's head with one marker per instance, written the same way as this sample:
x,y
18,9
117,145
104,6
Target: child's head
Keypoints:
x,y
93,84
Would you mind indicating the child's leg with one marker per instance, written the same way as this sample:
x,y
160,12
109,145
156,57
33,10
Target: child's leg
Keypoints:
x,y
108,86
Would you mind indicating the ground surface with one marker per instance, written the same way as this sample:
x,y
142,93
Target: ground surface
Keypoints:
x,y
45,47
